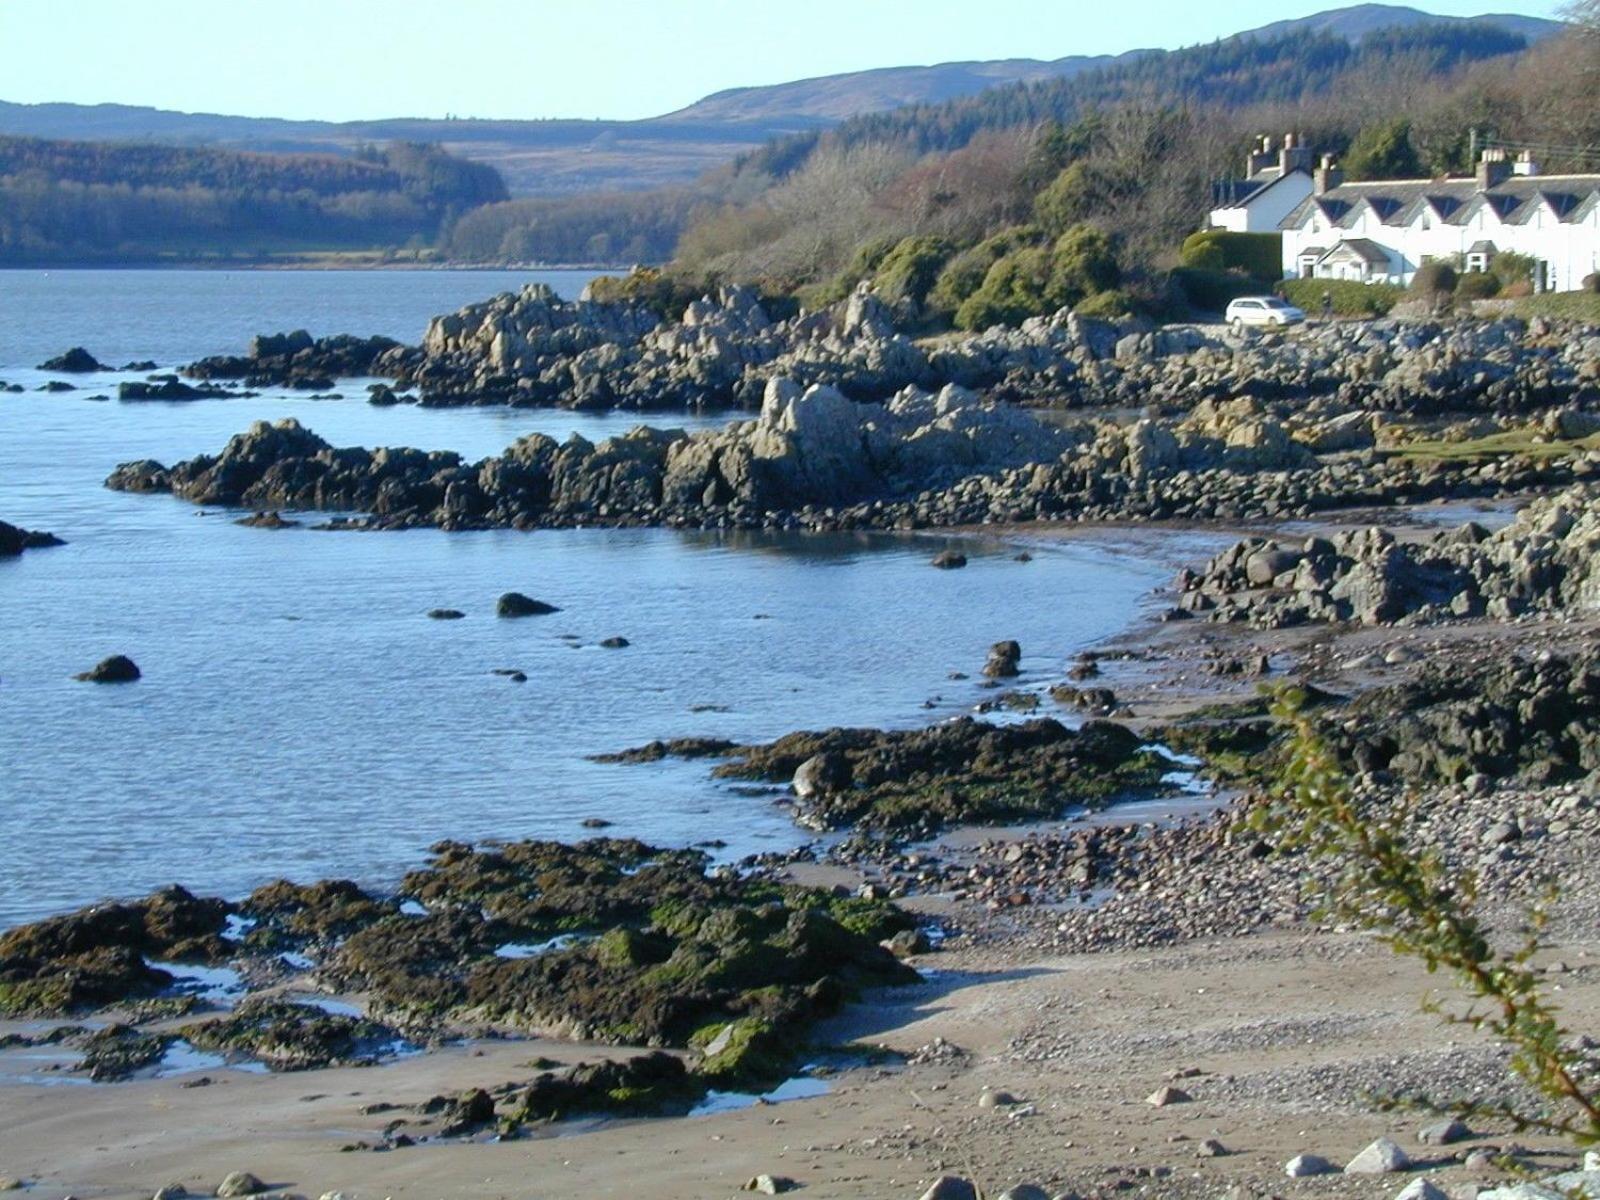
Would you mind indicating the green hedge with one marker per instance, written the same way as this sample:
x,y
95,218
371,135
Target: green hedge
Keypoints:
x,y
1350,299
1210,291
1258,254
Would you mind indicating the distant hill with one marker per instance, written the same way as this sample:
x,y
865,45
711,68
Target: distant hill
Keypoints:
x,y
838,97
1357,21
564,157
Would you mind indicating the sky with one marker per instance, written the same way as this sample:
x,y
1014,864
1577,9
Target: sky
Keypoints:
x,y
617,59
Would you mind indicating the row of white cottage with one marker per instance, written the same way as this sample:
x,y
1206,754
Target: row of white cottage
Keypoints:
x,y
1383,231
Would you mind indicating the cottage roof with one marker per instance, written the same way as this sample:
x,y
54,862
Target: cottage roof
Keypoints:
x,y
1367,250
1239,193
1454,200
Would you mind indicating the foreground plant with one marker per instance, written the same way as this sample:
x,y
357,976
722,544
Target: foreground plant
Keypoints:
x,y
1426,910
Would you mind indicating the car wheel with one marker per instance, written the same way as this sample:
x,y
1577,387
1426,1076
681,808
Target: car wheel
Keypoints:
x,y
1238,324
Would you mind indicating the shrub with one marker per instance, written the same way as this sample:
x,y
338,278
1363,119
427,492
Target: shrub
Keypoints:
x,y
1042,279
1591,283
1434,277
665,295
1257,254
1068,200
1511,269
1110,305
908,272
1477,285
964,273
1350,299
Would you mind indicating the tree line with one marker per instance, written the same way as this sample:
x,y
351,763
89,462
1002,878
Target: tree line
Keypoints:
x,y
89,201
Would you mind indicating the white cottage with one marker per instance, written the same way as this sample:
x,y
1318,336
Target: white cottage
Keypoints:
x,y
1383,231
1275,183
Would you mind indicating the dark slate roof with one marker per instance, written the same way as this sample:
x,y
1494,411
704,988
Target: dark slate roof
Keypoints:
x,y
1235,193
1365,249
1482,246
1396,201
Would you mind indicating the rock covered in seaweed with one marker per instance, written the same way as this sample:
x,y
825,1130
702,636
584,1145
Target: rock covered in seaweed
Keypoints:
x,y
97,956
961,772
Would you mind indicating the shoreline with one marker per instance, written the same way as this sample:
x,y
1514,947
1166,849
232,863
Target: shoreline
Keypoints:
x,y
1237,1010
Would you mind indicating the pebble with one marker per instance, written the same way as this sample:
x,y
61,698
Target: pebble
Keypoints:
x,y
771,1185
1164,1096
1304,1166
950,1187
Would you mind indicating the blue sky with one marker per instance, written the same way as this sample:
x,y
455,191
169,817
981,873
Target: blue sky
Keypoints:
x,y
348,59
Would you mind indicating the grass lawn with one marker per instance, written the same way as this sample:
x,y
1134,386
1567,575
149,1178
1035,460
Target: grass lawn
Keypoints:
x,y
1525,443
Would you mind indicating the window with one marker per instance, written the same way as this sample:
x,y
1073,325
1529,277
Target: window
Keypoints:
x,y
1478,261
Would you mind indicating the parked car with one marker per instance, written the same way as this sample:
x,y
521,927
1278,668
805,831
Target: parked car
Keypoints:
x,y
1263,310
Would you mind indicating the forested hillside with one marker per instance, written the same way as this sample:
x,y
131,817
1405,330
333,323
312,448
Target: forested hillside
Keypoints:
x,y
101,201
1030,197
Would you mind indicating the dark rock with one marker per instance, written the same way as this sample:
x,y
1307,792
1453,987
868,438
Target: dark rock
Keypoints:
x,y
949,560
615,643
76,361
13,541
117,669
515,604
446,614
1003,660
266,520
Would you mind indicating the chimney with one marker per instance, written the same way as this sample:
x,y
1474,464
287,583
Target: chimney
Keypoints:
x,y
1525,164
1327,176
1294,157
1260,158
1493,170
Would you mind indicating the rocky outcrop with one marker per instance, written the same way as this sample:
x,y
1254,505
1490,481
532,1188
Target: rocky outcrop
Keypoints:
x,y
814,459
76,361
1546,560
531,348
1536,718
13,540
298,360
807,448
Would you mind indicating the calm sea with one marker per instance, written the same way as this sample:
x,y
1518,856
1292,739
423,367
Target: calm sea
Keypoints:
x,y
300,715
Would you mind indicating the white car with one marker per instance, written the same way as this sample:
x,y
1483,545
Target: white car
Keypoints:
x,y
1263,310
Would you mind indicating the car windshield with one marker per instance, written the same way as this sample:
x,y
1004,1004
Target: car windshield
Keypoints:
x,y
1273,304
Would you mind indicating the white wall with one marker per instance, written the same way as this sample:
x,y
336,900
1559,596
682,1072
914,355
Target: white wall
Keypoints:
x,y
1572,250
1265,211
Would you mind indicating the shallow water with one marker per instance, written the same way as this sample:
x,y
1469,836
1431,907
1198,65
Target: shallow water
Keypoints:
x,y
300,715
